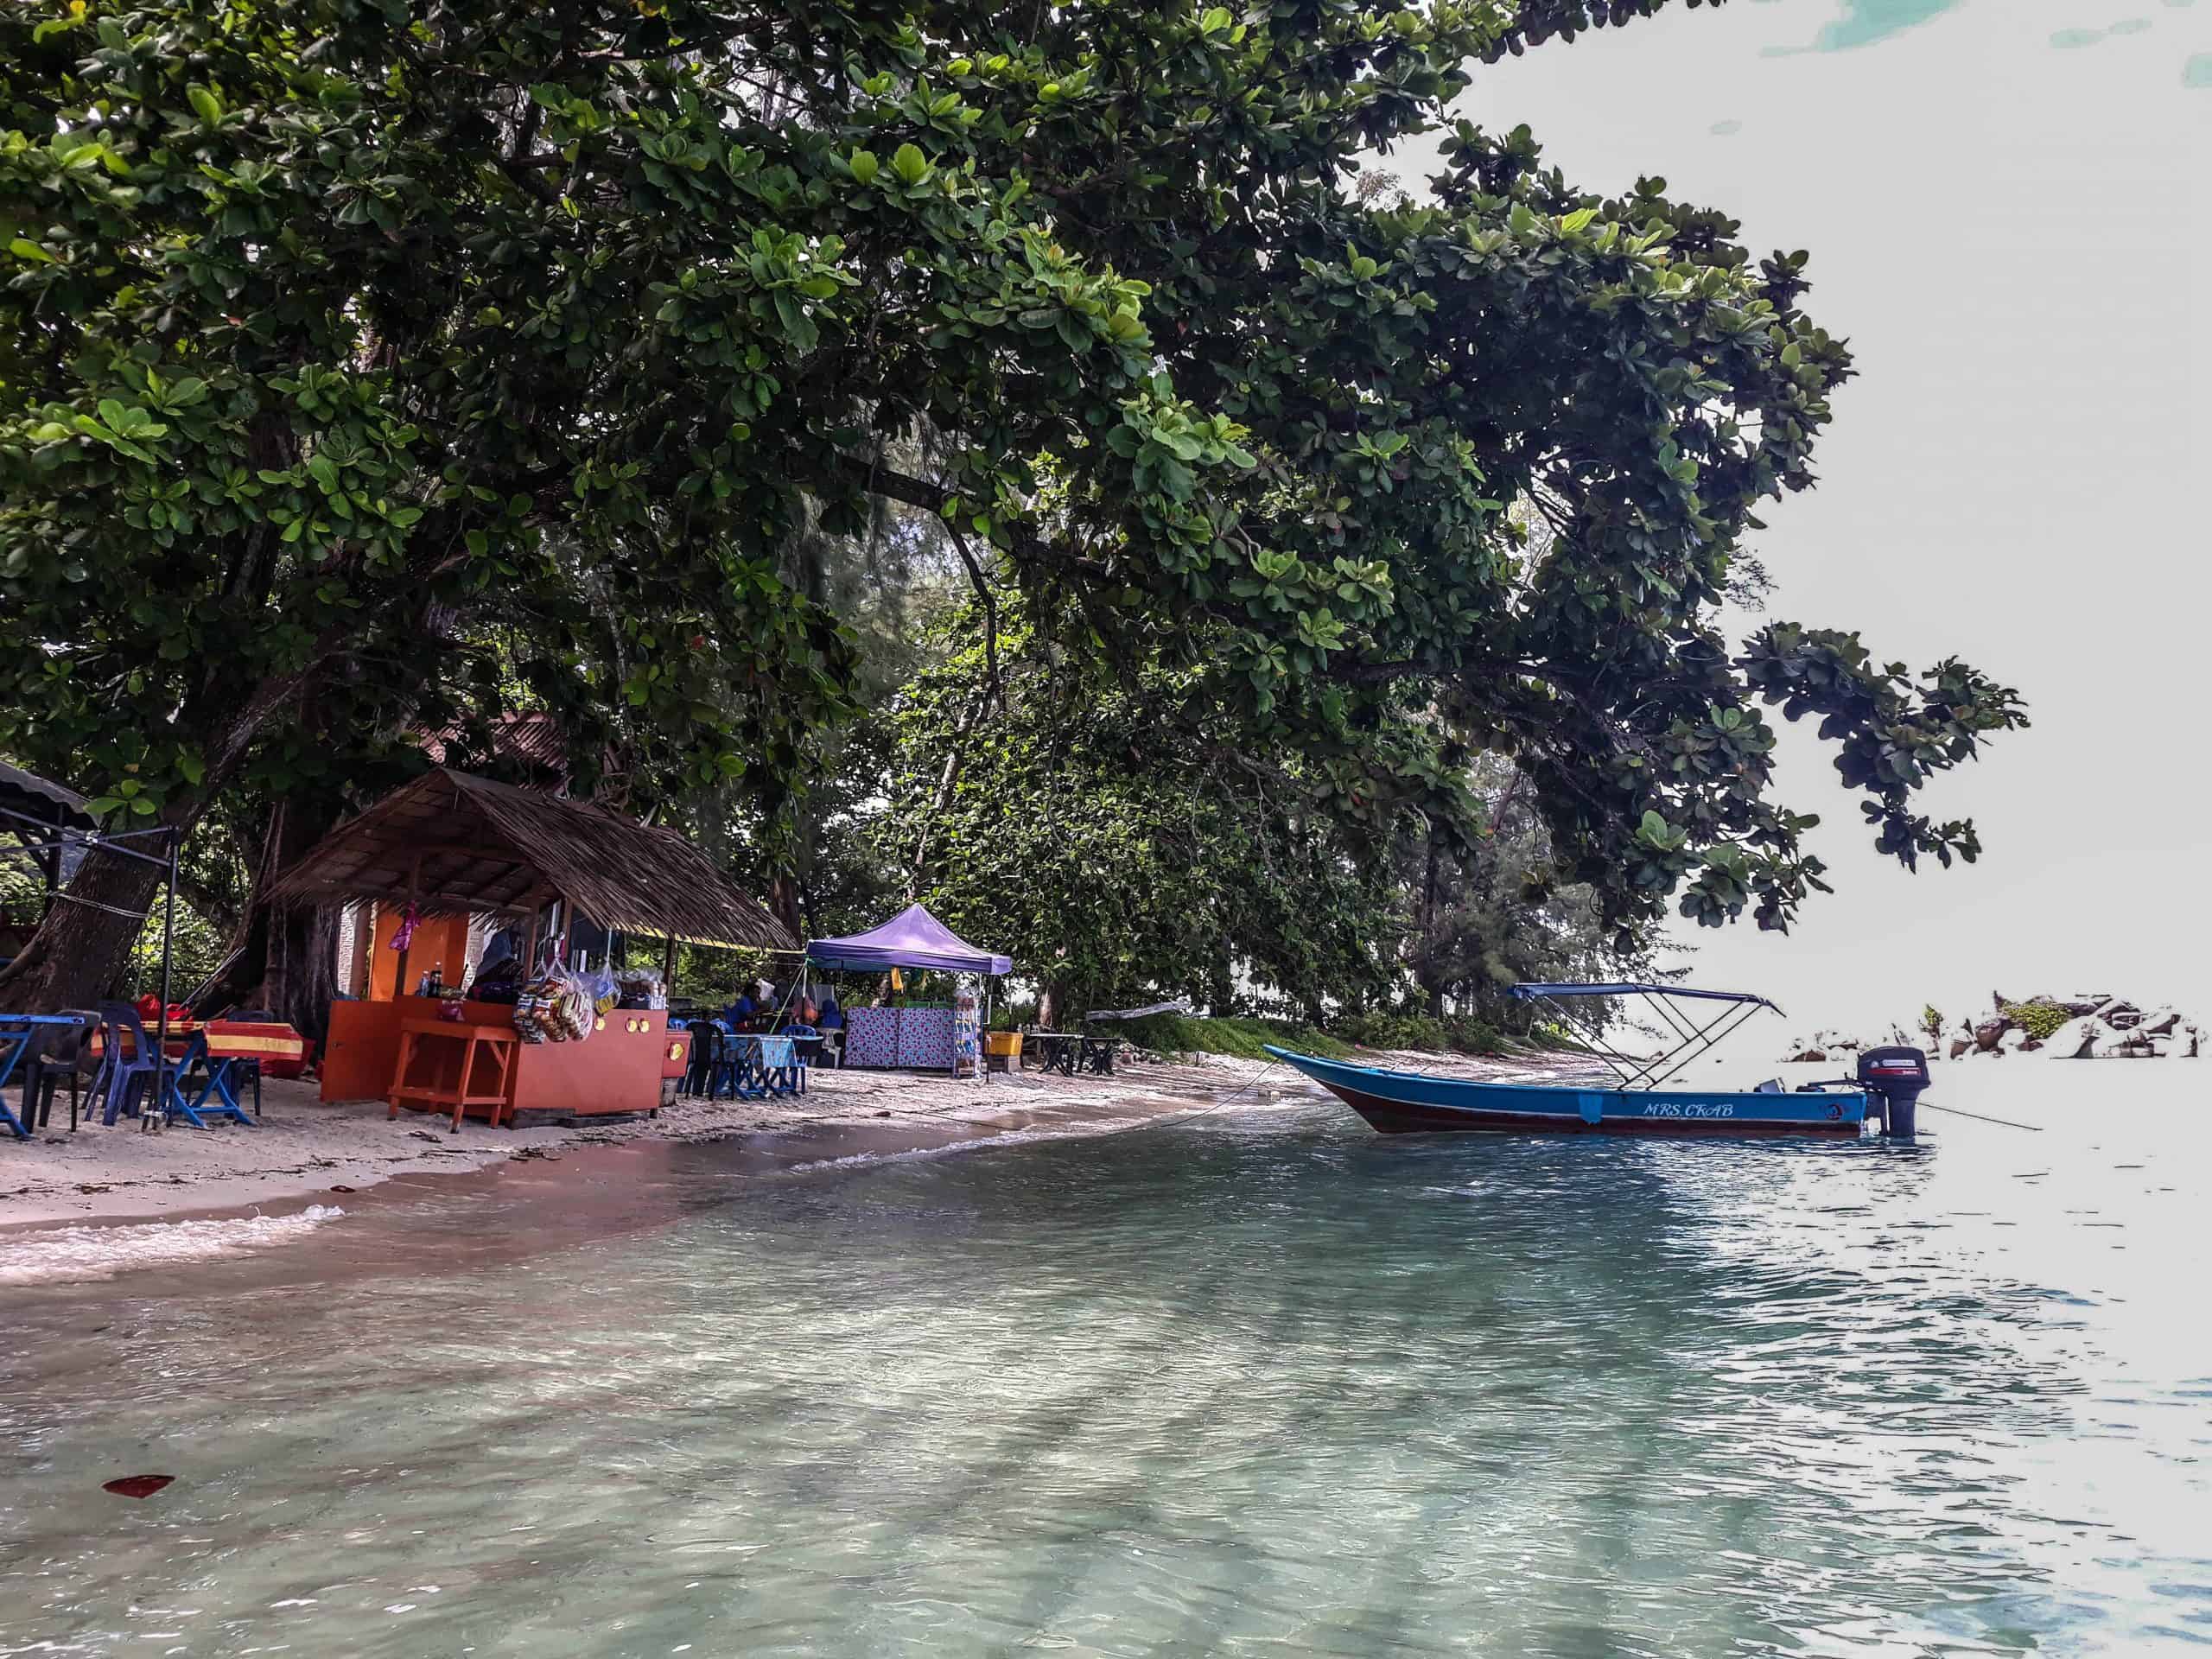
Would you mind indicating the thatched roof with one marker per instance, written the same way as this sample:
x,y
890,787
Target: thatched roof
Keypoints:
x,y
453,841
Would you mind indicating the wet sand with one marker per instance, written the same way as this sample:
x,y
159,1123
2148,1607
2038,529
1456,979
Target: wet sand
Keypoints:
x,y
106,1201
304,1148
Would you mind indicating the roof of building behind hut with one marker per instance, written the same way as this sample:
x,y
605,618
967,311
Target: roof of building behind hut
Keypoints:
x,y
534,742
491,848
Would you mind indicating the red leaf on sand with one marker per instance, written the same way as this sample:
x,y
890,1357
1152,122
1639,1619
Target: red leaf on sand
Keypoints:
x,y
137,1485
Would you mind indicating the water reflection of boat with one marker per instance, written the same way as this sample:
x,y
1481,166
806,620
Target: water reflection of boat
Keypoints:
x,y
1633,1101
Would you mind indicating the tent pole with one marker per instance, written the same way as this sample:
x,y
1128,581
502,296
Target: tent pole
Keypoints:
x,y
49,865
152,1116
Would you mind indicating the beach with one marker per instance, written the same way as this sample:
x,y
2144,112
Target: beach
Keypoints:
x,y
303,1148
220,1190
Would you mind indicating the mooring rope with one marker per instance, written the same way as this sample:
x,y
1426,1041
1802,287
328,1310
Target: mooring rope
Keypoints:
x,y
2005,1122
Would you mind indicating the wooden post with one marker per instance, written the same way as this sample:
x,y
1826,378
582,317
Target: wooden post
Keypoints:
x,y
668,967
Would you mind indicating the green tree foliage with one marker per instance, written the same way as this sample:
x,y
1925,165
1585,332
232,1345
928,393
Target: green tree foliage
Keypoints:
x,y
1498,914
1126,847
1093,831
323,327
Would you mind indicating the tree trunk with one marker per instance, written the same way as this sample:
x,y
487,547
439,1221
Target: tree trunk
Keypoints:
x,y
1221,990
77,957
1425,972
80,949
285,961
783,901
954,754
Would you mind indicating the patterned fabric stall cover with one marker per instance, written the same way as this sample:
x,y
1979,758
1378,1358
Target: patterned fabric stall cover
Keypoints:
x,y
925,1039
967,1043
872,1037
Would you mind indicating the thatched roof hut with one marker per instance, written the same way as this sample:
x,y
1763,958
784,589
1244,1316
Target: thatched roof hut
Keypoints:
x,y
453,842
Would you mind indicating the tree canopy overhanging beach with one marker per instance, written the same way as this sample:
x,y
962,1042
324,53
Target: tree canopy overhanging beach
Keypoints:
x,y
373,370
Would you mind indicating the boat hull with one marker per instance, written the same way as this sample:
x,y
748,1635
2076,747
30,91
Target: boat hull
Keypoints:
x,y
1413,1102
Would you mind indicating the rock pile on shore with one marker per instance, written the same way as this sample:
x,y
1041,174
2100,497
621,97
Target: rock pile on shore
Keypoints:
x,y
2099,1026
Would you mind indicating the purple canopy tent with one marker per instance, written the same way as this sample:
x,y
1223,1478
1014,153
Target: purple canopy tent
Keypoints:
x,y
903,1037
912,938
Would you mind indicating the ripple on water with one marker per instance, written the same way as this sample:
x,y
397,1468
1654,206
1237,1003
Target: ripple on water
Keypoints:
x,y
1258,1383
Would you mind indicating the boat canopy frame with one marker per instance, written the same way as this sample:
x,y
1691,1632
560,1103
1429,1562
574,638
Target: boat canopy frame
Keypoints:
x,y
1694,1038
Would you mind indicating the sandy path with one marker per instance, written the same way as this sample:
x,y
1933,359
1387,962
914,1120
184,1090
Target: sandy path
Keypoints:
x,y
303,1149
103,1201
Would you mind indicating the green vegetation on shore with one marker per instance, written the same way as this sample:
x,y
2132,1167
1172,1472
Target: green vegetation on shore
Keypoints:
x,y
1036,465
1246,1037
1240,1038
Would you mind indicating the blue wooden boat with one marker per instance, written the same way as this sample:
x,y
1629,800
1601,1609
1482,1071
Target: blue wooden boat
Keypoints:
x,y
1631,1101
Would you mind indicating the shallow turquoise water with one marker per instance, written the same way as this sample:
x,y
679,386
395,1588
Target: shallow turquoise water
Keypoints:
x,y
1258,1383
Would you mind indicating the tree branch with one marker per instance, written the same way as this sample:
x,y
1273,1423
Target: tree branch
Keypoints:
x,y
992,693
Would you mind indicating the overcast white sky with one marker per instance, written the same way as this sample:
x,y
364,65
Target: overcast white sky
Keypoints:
x,y
2009,206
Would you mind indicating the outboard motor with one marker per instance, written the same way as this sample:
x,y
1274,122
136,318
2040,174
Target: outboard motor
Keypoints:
x,y
1894,1079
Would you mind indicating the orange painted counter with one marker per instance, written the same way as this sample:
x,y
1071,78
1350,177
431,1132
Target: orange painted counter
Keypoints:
x,y
618,1068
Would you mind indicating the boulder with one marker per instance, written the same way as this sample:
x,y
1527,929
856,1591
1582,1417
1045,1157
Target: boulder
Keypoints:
x,y
2076,1039
1962,1047
1987,1033
2013,1037
2158,1024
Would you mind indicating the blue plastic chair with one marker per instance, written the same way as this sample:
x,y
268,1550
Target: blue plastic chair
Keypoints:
x,y
731,1069
700,1067
65,1058
801,1036
116,1084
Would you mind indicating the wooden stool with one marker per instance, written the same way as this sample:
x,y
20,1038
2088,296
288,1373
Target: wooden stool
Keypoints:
x,y
498,1040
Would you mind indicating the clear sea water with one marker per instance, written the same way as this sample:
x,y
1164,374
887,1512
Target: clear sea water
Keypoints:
x,y
1255,1383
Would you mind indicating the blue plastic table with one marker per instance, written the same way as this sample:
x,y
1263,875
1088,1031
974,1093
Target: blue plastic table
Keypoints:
x,y
769,1067
17,1033
218,1083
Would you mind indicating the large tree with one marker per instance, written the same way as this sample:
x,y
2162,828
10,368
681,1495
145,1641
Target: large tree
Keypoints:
x,y
1116,840
322,324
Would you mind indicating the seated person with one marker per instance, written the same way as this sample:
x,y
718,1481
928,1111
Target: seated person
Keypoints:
x,y
828,1016
739,1014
